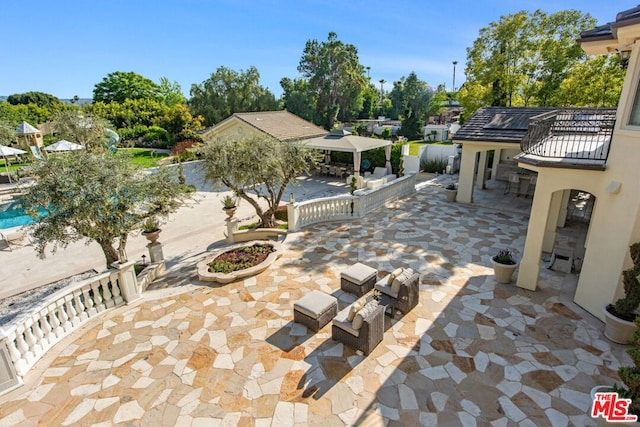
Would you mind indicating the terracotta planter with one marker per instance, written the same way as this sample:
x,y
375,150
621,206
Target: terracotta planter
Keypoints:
x,y
616,329
230,211
152,236
503,272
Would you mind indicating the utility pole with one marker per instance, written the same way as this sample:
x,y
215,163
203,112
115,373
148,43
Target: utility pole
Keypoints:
x,y
454,75
382,81
368,70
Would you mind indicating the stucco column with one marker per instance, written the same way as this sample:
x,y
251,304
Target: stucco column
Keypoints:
x,y
467,172
552,222
387,153
529,269
494,164
482,171
564,208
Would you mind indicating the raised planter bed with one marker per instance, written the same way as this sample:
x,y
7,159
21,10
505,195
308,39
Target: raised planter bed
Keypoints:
x,y
207,276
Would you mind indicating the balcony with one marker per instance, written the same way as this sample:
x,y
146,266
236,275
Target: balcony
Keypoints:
x,y
571,138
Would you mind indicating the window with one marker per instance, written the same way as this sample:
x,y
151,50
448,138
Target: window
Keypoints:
x,y
634,117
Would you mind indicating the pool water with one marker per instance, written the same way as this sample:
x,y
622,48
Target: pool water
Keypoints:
x,y
12,214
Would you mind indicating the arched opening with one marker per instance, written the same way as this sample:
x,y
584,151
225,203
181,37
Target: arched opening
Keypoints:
x,y
565,240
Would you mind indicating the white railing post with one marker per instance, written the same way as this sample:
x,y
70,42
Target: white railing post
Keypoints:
x,y
127,281
292,216
9,378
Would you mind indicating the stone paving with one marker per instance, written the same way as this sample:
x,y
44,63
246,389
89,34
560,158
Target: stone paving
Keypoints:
x,y
473,352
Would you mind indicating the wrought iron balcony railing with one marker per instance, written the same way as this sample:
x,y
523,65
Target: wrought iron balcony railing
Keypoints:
x,y
579,136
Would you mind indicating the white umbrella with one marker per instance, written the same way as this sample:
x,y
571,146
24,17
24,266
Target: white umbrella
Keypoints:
x,y
63,145
9,151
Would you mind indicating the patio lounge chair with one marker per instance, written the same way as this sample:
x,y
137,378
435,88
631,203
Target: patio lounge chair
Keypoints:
x,y
404,291
363,334
15,236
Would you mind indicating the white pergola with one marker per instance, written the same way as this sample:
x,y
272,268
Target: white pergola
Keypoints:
x,y
347,142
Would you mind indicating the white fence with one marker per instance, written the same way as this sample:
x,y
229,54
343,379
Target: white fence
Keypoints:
x,y
340,208
28,337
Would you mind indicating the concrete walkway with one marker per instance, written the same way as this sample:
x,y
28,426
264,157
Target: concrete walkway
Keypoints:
x,y
473,352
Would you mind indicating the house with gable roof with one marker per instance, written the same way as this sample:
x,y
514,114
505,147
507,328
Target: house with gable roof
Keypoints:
x,y
281,125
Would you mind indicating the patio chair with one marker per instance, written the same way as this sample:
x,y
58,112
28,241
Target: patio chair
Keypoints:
x,y
531,188
514,181
368,333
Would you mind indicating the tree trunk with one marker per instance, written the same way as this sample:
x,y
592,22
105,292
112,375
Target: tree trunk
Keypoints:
x,y
110,253
266,219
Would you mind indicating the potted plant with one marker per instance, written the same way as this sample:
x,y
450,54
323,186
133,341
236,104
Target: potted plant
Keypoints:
x,y
151,229
451,191
630,376
504,264
620,316
229,205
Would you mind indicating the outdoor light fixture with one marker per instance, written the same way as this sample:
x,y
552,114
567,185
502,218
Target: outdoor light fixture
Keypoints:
x,y
144,260
625,53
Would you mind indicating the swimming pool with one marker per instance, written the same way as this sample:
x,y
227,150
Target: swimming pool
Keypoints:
x,y
12,214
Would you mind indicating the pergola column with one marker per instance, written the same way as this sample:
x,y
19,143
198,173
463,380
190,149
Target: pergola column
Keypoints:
x,y
387,152
494,165
482,171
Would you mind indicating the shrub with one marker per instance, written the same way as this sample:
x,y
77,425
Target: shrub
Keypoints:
x,y
281,213
626,306
433,166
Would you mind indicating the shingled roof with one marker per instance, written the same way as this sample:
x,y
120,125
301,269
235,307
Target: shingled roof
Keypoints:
x,y
281,125
608,31
499,124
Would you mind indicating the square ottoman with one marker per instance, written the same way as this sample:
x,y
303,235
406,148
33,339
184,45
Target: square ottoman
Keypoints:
x,y
358,279
315,309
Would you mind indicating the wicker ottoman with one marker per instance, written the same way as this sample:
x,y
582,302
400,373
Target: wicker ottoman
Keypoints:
x,y
315,309
358,279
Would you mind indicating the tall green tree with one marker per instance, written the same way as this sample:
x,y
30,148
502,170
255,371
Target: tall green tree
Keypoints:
x,y
83,129
596,82
99,197
226,92
297,98
256,169
7,132
171,92
41,99
411,96
122,85
336,78
522,59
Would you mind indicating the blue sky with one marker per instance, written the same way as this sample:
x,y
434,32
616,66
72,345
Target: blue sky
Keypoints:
x,y
65,47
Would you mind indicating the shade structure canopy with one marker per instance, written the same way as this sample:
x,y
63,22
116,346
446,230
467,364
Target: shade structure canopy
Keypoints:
x,y
345,141
63,145
10,151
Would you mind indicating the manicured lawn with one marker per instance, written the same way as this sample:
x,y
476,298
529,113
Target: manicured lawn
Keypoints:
x,y
144,157
414,146
13,166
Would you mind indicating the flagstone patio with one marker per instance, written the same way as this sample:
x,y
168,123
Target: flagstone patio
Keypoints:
x,y
473,352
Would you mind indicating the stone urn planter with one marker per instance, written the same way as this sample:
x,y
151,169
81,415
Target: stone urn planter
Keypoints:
x,y
230,211
504,264
152,236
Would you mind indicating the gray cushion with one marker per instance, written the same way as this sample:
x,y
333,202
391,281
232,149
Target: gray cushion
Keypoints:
x,y
315,303
341,321
383,287
358,273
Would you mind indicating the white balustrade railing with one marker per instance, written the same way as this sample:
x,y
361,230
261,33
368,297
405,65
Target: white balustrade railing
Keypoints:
x,y
340,208
28,337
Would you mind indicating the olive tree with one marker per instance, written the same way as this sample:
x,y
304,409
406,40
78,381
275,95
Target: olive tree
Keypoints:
x,y
260,166
99,197
84,129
